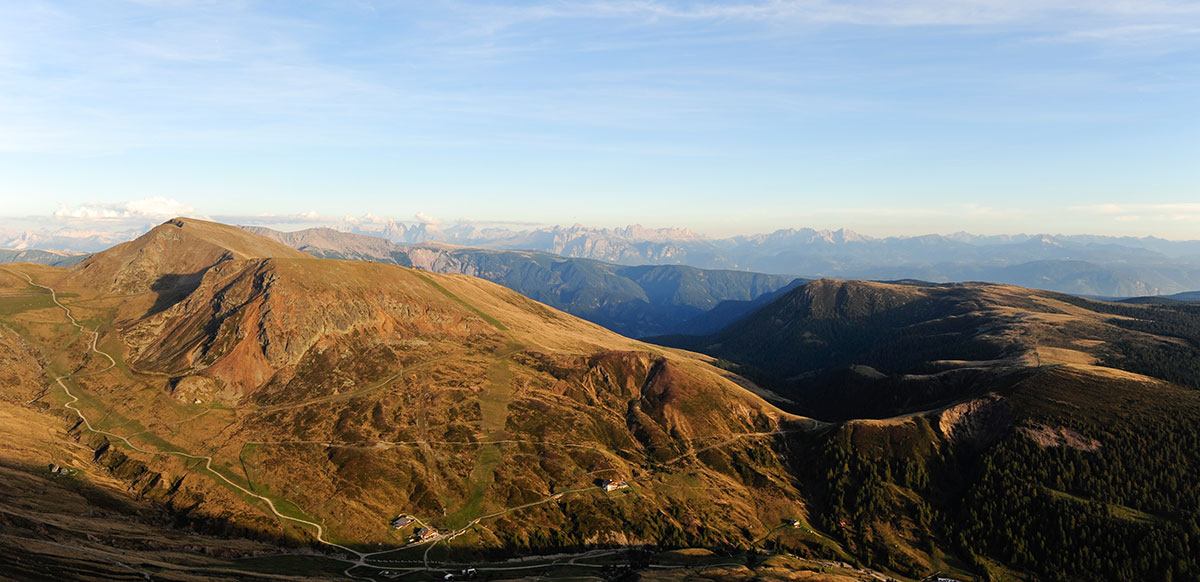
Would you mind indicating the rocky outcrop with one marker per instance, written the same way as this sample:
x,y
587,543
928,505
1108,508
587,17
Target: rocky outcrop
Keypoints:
x,y
20,368
248,320
977,423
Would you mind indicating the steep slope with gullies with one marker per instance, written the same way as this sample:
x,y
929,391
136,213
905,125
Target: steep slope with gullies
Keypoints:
x,y
321,398
249,320
166,264
179,247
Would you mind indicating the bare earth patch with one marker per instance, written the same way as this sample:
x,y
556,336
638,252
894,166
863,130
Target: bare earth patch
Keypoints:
x,y
1048,436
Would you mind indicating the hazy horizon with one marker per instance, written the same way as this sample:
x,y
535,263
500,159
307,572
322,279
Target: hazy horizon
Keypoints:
x,y
134,218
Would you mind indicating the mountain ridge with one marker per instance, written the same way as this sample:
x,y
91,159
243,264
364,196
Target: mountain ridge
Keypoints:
x,y
382,389
829,333
1000,413
261,392
1080,264
633,300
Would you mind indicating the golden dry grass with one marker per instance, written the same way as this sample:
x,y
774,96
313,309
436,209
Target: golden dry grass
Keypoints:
x,y
349,392
1048,356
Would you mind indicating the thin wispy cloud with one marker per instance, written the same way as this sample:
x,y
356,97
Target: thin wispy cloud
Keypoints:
x,y
1128,208
155,207
158,74
1174,214
425,218
867,13
453,107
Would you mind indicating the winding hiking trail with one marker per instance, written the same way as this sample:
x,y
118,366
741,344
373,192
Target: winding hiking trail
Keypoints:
x,y
112,363
358,559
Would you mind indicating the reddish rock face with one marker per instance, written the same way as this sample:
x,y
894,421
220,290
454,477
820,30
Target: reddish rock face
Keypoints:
x,y
357,389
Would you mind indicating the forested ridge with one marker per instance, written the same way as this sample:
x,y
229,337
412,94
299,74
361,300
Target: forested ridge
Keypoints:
x,y
1120,504
1175,361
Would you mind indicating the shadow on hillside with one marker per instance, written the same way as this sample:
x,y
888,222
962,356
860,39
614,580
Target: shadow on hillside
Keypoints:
x,y
172,289
51,532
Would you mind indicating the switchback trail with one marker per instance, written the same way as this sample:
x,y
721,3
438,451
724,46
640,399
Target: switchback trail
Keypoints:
x,y
358,559
95,336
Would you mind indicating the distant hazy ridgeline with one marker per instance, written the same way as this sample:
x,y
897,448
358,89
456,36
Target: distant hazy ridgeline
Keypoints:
x,y
636,301
1081,264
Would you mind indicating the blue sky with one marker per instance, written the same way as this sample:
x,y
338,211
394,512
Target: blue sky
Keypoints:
x,y
887,117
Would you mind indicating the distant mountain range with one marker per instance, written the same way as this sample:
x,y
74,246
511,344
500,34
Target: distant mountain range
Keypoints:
x,y
65,239
1186,297
1079,264
641,301
52,258
1090,265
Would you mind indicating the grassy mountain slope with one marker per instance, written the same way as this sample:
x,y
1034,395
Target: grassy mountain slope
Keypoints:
x,y
848,349
255,389
305,402
1033,435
